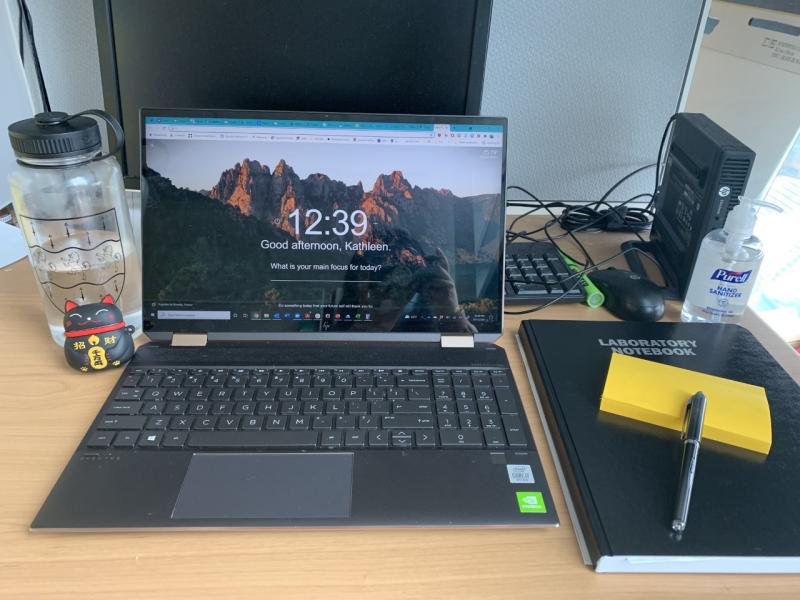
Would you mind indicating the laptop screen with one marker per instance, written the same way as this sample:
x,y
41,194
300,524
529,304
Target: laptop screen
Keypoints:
x,y
307,222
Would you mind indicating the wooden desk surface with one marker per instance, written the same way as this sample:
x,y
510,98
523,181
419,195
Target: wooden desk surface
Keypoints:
x,y
279,563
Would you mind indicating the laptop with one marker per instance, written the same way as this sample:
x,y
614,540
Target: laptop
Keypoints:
x,y
321,292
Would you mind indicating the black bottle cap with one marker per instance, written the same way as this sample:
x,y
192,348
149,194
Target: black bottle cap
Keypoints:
x,y
50,135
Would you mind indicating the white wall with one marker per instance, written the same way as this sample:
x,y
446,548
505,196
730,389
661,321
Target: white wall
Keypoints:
x,y
65,38
587,86
15,100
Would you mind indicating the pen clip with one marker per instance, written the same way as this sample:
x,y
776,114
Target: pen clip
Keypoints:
x,y
686,413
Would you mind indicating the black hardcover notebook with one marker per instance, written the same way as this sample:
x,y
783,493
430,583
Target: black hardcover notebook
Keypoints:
x,y
620,476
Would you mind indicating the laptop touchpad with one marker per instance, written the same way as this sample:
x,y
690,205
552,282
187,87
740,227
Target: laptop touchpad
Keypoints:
x,y
266,486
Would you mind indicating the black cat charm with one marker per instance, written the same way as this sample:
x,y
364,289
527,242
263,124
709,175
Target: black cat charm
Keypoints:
x,y
96,336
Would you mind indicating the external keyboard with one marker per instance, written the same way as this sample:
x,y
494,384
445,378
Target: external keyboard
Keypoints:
x,y
535,274
297,408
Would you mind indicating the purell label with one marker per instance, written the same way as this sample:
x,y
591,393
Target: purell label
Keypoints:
x,y
731,276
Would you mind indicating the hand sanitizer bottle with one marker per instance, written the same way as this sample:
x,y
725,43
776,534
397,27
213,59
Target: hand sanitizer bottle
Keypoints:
x,y
725,270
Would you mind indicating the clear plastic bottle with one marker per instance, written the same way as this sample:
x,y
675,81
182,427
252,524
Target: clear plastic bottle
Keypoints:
x,y
71,208
725,270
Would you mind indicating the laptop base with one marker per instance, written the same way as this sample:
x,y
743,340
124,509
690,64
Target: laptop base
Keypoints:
x,y
144,488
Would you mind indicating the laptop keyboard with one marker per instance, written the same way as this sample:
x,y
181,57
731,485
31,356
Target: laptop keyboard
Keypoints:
x,y
252,408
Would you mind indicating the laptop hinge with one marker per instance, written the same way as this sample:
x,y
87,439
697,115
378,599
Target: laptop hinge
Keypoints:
x,y
458,341
189,339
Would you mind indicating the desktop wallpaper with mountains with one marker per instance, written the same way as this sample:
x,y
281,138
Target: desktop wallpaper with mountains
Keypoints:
x,y
205,244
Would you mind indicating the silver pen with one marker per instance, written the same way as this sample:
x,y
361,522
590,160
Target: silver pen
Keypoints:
x,y
692,432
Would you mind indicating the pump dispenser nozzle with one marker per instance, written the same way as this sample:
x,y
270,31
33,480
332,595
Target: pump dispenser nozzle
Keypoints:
x,y
740,224
742,219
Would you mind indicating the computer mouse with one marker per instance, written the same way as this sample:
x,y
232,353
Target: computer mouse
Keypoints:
x,y
628,295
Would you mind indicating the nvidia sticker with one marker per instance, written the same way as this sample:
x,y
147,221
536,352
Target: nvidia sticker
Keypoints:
x,y
531,502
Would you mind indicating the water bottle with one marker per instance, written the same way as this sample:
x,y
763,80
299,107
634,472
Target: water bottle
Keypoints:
x,y
726,268
70,205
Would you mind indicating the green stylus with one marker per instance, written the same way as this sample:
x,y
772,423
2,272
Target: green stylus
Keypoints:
x,y
594,297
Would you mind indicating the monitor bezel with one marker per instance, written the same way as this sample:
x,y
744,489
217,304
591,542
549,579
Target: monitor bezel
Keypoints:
x,y
112,99
160,333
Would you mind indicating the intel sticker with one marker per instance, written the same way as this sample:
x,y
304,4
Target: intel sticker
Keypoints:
x,y
520,473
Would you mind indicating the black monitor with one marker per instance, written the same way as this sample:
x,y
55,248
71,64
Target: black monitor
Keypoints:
x,y
365,56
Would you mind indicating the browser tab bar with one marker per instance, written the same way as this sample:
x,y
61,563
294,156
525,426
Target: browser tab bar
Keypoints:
x,y
323,132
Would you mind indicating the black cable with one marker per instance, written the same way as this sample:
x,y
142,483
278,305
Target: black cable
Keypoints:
x,y
525,235
512,235
637,215
540,203
566,204
624,179
546,206
552,214
511,201
526,204
21,39
613,218
608,219
641,239
617,217
25,17
658,160
552,240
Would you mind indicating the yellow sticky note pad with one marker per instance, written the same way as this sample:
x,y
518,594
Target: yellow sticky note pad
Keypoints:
x,y
736,413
